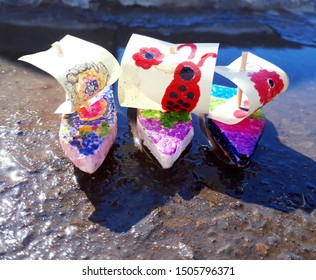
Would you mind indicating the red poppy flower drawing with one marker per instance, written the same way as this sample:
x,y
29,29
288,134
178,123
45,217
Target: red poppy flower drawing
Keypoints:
x,y
268,84
147,57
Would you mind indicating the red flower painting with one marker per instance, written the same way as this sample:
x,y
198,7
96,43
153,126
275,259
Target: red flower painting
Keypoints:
x,y
147,57
268,84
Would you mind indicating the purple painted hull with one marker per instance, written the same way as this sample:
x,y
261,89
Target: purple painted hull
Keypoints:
x,y
238,141
166,144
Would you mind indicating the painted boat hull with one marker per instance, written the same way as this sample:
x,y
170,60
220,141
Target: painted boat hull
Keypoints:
x,y
237,141
165,144
86,137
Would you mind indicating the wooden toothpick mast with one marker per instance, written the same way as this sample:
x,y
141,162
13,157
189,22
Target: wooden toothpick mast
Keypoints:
x,y
57,48
172,50
242,68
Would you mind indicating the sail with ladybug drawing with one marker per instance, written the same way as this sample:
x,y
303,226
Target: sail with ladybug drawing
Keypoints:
x,y
180,73
166,82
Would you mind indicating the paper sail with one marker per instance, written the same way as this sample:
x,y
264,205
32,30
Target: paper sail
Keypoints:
x,y
82,68
168,77
260,83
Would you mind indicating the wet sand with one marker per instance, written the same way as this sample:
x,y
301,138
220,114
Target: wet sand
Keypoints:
x,y
131,208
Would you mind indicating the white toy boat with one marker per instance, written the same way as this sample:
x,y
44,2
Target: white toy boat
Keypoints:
x,y
86,137
166,82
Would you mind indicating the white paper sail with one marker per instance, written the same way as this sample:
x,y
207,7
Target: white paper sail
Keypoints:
x,y
82,68
168,77
260,83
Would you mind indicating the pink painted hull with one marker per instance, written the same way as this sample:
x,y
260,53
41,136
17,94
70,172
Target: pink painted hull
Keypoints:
x,y
86,138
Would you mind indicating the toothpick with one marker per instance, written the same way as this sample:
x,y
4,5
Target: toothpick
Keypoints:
x,y
242,68
57,48
172,50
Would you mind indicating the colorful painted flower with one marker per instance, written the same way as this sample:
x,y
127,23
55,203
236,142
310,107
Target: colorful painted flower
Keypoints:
x,y
268,84
147,57
92,86
90,82
97,110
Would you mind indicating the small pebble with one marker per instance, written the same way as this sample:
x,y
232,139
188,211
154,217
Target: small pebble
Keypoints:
x,y
262,249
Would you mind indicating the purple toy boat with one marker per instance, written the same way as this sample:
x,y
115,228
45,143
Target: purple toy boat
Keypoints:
x,y
236,120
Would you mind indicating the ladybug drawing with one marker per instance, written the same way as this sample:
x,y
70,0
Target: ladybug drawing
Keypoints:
x,y
183,93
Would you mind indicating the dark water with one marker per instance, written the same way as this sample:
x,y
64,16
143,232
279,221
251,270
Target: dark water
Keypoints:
x,y
130,208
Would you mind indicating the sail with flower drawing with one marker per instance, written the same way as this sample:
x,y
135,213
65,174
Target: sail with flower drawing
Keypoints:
x,y
86,72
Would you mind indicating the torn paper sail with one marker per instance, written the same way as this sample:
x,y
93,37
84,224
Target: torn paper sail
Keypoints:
x,y
260,83
168,77
82,68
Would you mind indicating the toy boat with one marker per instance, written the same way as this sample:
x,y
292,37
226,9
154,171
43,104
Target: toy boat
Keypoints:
x,y
166,83
236,125
88,123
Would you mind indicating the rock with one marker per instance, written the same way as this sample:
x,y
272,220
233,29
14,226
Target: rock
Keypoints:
x,y
262,249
